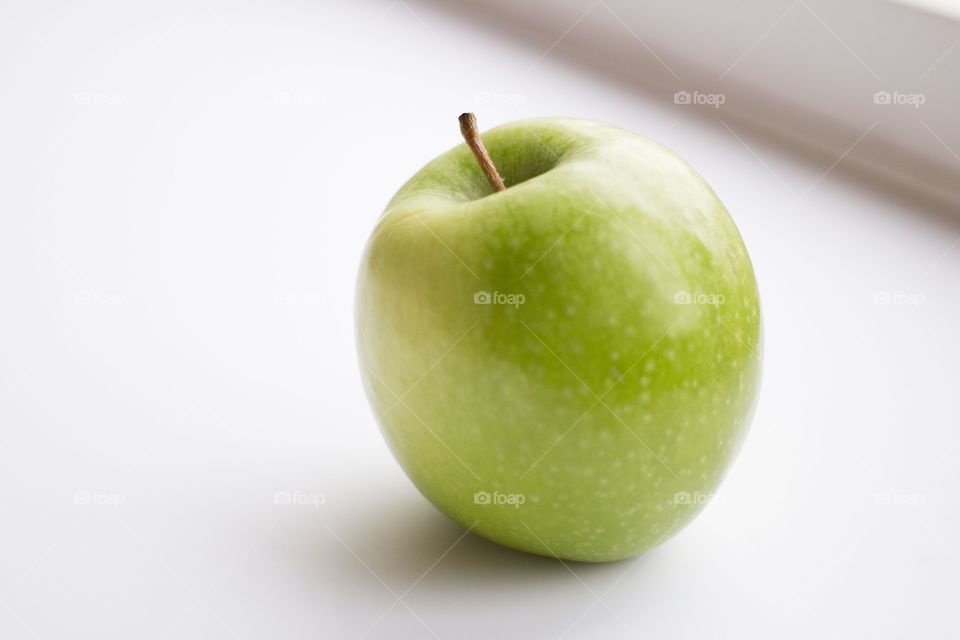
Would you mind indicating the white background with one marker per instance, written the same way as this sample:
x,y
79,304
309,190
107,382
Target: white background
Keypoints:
x,y
185,190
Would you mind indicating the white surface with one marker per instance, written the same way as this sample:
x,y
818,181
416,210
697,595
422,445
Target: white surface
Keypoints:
x,y
184,195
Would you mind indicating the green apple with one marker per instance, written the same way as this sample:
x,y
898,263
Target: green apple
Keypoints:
x,y
570,365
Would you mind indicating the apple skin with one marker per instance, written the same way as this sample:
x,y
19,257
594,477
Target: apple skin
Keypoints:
x,y
599,415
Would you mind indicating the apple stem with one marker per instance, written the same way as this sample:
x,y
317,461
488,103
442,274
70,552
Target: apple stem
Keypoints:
x,y
468,127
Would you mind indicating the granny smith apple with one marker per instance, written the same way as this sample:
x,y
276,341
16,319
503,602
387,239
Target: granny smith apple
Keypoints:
x,y
569,365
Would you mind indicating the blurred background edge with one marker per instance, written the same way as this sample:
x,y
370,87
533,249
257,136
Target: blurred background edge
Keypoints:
x,y
873,82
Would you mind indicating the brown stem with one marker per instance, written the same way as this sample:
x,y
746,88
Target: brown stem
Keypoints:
x,y
468,127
